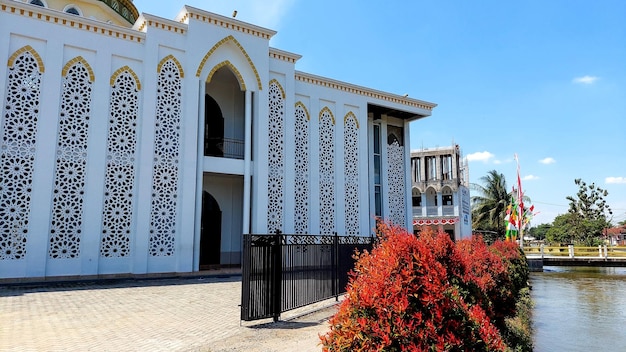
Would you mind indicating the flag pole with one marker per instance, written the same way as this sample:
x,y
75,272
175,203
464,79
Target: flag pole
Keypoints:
x,y
520,202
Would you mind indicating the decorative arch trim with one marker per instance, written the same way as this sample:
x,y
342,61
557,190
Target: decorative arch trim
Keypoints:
x,y
122,70
282,91
351,115
176,62
329,112
306,111
235,71
32,51
232,39
72,62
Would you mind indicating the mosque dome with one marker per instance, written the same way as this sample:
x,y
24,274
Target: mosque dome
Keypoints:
x,y
120,12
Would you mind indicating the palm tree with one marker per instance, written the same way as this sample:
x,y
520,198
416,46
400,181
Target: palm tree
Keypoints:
x,y
489,207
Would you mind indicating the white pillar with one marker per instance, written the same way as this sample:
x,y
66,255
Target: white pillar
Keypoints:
x,y
247,158
199,175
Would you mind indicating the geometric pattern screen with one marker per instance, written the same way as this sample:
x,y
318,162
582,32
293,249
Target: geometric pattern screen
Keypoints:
x,y
351,174
17,152
276,158
165,177
395,179
71,161
120,174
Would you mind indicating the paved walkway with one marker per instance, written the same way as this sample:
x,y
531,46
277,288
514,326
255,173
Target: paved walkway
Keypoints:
x,y
189,314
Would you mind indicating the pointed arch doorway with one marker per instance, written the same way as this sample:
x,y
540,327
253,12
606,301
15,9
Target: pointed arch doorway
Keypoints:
x,y
210,232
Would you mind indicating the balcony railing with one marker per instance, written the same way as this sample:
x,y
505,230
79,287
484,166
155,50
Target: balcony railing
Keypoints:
x,y
224,148
431,211
448,210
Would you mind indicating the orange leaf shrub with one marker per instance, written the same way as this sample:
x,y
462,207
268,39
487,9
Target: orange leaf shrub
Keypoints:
x,y
425,293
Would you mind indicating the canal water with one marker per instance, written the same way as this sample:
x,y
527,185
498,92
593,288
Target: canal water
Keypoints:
x,y
579,309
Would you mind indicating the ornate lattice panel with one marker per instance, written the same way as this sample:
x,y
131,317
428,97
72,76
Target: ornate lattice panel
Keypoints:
x,y
351,171
276,158
71,159
327,171
119,186
301,211
17,154
166,161
395,174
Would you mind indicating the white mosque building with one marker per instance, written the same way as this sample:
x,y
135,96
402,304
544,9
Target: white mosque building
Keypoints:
x,y
134,144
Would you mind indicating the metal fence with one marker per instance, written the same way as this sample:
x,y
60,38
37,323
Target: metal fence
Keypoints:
x,y
284,272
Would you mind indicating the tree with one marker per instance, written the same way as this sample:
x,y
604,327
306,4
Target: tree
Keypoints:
x,y
489,207
589,212
539,231
561,230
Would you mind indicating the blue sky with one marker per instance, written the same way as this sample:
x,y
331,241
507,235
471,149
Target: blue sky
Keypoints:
x,y
543,79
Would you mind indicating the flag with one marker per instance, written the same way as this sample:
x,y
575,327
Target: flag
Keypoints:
x,y
512,219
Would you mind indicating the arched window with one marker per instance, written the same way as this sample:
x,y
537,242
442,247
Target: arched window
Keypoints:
x,y
73,9
37,2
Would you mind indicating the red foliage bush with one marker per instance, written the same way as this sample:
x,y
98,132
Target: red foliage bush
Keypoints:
x,y
424,294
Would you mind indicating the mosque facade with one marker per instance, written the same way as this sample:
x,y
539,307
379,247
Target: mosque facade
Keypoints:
x,y
135,144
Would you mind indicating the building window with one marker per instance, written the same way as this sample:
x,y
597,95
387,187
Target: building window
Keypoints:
x,y
37,2
416,169
395,134
446,199
417,201
446,167
431,168
378,201
73,10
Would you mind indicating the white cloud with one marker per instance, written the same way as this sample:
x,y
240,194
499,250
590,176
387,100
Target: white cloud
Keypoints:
x,y
585,79
615,180
530,178
480,156
547,161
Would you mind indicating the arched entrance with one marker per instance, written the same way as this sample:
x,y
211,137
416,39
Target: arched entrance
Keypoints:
x,y
213,128
210,232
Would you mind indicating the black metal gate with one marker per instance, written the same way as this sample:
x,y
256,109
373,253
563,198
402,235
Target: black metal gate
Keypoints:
x,y
284,272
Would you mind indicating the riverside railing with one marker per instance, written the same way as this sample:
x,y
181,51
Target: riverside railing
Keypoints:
x,y
601,251
284,272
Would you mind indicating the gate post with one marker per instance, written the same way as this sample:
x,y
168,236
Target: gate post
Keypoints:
x,y
277,274
336,266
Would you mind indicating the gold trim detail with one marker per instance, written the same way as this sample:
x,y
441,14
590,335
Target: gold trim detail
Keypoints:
x,y
61,18
346,87
350,114
233,69
225,22
230,38
33,52
306,111
92,77
284,55
121,70
156,24
282,91
330,112
171,57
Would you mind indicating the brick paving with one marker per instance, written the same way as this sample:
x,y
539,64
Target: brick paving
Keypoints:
x,y
184,314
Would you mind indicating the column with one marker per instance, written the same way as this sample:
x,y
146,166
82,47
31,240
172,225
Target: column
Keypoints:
x,y
247,160
199,175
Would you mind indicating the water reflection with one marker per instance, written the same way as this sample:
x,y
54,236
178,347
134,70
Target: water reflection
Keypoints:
x,y
579,309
